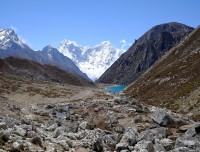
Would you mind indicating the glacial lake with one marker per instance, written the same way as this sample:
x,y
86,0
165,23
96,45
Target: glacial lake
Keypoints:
x,y
116,89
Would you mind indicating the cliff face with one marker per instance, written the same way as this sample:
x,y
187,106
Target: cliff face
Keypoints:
x,y
145,52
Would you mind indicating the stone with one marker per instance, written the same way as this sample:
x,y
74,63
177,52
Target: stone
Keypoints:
x,y
3,126
36,140
183,149
190,142
16,146
81,149
128,139
19,131
52,127
186,127
144,145
168,144
162,118
137,118
119,129
191,132
159,148
64,145
98,145
112,119
155,133
85,125
56,133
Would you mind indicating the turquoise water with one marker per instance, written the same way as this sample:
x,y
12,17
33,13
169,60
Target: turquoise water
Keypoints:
x,y
116,89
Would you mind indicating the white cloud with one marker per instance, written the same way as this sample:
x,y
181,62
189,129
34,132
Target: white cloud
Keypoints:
x,y
25,41
123,41
124,46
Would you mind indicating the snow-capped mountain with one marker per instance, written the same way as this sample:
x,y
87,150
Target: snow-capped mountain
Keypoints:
x,y
9,40
11,45
92,60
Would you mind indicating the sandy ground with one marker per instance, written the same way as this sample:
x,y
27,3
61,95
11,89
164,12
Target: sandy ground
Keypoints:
x,y
34,93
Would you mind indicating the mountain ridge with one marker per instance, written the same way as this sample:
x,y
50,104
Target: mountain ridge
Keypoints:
x,y
92,60
144,52
173,81
11,45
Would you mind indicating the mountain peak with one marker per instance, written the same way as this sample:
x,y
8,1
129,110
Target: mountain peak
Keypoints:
x,y
145,52
68,42
91,60
9,40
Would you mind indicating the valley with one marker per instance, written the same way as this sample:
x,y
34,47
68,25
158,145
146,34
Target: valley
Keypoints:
x,y
48,104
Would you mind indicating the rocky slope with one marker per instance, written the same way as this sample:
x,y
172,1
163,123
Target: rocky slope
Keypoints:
x,y
144,53
17,68
174,81
97,125
91,60
11,45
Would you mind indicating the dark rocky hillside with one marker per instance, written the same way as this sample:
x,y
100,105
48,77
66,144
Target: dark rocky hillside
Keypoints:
x,y
33,71
173,81
145,52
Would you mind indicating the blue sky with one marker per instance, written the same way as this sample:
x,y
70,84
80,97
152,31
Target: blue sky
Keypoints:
x,y
88,22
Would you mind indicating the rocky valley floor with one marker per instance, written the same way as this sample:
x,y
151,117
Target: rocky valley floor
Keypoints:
x,y
56,118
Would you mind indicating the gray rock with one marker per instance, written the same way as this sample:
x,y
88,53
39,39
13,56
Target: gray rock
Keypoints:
x,y
186,127
150,135
144,145
16,146
64,145
190,142
52,127
112,119
31,134
191,132
19,131
159,148
56,133
119,129
167,143
162,118
85,125
183,149
128,139
3,125
36,140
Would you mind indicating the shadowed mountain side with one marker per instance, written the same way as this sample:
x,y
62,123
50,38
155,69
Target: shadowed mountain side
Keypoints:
x,y
144,53
173,81
33,71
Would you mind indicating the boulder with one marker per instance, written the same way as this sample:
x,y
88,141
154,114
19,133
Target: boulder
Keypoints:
x,y
191,132
168,144
159,147
19,131
189,142
36,140
155,133
112,119
129,138
161,117
196,126
85,125
52,127
3,126
144,146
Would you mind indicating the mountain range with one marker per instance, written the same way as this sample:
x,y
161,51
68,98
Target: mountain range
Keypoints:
x,y
91,60
144,53
11,45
